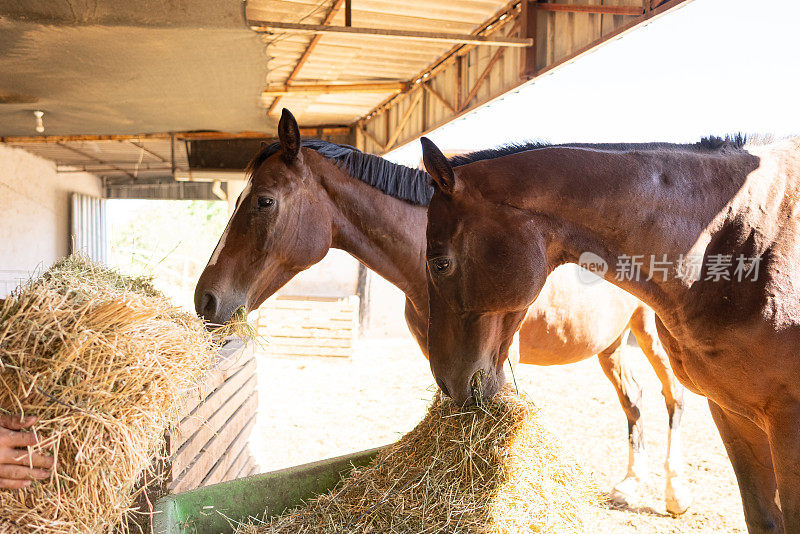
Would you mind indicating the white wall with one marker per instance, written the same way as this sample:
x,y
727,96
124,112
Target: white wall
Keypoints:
x,y
34,213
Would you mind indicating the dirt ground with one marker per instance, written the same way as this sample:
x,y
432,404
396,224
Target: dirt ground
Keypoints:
x,y
314,408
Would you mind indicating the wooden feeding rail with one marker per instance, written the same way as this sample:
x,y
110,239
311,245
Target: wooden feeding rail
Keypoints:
x,y
309,326
210,444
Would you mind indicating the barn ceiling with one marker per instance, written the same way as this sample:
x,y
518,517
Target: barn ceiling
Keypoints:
x,y
128,88
139,66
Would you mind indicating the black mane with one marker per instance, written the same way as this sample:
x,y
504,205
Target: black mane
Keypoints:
x,y
398,181
413,185
736,141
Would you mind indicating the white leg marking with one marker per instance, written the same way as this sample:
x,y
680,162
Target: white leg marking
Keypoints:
x,y
678,494
629,488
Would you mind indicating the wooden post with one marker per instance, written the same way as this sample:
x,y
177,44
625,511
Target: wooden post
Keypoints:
x,y
459,79
348,13
527,20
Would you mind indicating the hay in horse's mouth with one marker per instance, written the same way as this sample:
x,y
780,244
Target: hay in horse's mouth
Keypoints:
x,y
494,469
103,361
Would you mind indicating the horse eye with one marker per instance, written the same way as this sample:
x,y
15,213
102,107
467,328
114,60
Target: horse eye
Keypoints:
x,y
441,265
265,202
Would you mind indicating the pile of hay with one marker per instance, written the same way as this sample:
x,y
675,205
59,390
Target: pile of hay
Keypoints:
x,y
103,361
491,469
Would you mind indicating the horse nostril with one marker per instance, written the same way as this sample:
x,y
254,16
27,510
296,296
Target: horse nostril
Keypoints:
x,y
208,306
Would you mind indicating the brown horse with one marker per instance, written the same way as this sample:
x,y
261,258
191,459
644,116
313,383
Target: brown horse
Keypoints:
x,y
706,234
300,202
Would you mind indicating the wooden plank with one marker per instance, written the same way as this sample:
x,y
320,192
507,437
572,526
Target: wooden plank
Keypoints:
x,y
442,37
238,463
327,89
590,8
485,74
234,450
188,136
404,119
528,21
200,417
216,447
226,368
371,138
247,468
428,87
337,4
213,425
312,342
310,351
338,333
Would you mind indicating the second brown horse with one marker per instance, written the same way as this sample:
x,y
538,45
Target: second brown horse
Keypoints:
x,y
300,202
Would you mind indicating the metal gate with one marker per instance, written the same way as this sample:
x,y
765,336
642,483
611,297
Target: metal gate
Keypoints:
x,y
88,227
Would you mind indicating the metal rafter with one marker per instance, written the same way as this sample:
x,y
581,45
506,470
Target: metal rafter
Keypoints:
x,y
444,37
337,4
98,160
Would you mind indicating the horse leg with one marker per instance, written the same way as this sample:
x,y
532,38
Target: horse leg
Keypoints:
x,y
749,452
643,325
630,394
783,431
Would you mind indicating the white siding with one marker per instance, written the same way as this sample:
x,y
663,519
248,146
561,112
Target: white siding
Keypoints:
x,y
34,213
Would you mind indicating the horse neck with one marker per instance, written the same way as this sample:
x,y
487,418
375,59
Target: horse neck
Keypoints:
x,y
617,205
384,233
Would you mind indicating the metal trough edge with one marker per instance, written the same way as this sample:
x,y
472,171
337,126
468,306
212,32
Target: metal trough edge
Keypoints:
x,y
218,508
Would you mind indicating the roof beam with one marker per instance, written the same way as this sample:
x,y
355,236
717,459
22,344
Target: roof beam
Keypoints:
x,y
188,136
315,88
337,4
442,37
428,87
404,119
590,8
147,150
484,74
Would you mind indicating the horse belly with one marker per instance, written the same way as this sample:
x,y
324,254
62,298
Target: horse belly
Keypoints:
x,y
571,322
743,370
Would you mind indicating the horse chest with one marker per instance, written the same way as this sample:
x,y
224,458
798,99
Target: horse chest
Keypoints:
x,y
741,365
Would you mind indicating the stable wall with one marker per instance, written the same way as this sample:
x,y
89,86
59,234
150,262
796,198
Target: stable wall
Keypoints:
x,y
34,213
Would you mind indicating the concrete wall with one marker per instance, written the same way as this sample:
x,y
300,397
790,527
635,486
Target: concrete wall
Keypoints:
x,y
34,213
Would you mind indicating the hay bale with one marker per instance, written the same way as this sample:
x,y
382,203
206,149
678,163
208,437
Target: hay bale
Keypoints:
x,y
491,469
103,361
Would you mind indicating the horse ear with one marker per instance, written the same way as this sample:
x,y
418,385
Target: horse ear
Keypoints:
x,y
438,167
289,135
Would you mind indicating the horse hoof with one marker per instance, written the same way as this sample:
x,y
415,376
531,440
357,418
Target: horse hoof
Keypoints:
x,y
679,499
625,493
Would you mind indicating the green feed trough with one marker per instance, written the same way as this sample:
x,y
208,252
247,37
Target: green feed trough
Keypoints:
x,y
218,508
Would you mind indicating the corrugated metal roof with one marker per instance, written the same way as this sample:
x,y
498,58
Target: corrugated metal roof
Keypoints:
x,y
359,58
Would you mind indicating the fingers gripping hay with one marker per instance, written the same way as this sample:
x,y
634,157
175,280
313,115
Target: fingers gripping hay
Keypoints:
x,y
103,361
492,469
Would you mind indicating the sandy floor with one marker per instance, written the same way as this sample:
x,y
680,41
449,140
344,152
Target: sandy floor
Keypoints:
x,y
315,408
